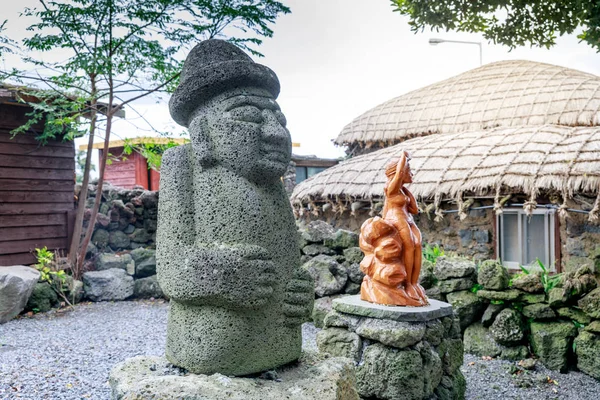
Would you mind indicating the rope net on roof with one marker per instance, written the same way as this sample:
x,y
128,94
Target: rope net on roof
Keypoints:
x,y
506,93
524,159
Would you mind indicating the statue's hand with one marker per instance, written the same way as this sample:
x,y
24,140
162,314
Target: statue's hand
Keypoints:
x,y
251,276
299,298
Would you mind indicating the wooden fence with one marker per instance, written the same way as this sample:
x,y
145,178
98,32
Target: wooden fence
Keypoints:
x,y
36,191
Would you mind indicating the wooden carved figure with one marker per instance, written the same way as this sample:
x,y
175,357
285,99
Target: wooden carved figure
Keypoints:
x,y
392,245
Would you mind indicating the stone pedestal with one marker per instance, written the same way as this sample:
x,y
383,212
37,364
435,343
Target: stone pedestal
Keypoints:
x,y
312,378
400,352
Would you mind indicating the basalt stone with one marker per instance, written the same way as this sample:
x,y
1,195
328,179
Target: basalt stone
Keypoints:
x,y
388,373
42,298
146,377
466,236
434,332
453,387
321,308
507,328
108,285
552,343
341,320
467,306
140,236
590,304
453,267
451,351
120,261
539,311
100,238
558,297
16,285
427,276
354,273
118,240
146,288
514,353
587,348
490,314
455,285
317,231
392,333
435,294
482,236
593,327
227,249
354,305
339,343
479,341
329,276
316,249
352,288
353,255
528,298
492,275
146,267
342,239
504,295
102,220
432,368
574,314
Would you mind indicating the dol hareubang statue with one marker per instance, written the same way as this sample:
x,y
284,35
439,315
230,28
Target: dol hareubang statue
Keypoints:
x,y
227,252
392,245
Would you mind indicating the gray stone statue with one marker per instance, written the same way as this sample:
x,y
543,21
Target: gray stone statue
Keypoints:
x,y
227,249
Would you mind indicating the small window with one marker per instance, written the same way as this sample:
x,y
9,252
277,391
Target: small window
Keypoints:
x,y
314,170
300,174
522,239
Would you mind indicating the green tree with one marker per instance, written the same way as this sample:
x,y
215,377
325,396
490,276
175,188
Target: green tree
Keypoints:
x,y
508,22
80,160
120,51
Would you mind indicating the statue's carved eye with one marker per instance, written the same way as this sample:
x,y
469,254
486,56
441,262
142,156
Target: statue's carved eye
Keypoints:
x,y
247,114
281,118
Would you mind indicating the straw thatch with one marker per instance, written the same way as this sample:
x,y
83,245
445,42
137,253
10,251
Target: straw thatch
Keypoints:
x,y
501,94
524,159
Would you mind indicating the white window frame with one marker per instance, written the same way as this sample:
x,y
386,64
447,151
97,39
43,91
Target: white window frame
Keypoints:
x,y
549,237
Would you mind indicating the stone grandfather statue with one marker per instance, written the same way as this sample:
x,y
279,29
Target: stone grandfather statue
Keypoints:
x,y
392,245
227,248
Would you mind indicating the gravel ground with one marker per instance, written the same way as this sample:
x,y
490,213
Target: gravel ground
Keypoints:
x,y
68,355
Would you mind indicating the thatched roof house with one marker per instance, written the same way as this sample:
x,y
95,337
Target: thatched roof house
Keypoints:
x,y
518,138
505,93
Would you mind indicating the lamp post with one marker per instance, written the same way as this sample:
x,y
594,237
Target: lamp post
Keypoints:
x,y
436,41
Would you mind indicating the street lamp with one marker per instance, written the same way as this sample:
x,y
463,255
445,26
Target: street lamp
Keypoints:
x,y
436,41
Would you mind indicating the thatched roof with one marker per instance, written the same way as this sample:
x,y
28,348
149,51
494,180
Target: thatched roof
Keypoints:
x,y
524,159
501,94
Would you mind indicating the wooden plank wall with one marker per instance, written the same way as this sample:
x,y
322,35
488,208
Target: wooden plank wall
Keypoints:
x,y
126,173
36,191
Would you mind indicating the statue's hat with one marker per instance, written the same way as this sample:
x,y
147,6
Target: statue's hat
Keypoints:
x,y
212,67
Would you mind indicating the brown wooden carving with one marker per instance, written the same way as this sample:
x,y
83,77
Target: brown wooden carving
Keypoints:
x,y
392,245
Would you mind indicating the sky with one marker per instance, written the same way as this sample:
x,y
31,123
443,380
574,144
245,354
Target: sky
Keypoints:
x,y
336,59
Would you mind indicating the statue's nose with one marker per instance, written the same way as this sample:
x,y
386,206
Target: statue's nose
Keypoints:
x,y
272,130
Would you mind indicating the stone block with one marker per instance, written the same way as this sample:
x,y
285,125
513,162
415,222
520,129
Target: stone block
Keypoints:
x,y
339,342
392,333
354,305
492,275
389,373
16,285
146,377
552,343
479,341
587,348
490,314
146,288
342,239
118,240
120,261
353,255
590,304
507,328
108,285
504,295
329,276
453,267
316,249
466,236
317,231
467,306
539,311
482,236
456,284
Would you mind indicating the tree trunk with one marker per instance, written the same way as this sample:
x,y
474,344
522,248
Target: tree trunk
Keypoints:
x,y
78,228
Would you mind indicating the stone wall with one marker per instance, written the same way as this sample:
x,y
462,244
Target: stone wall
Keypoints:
x,y
120,261
555,318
